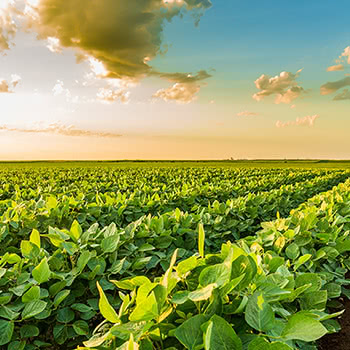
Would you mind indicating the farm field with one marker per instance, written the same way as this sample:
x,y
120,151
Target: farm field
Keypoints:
x,y
173,255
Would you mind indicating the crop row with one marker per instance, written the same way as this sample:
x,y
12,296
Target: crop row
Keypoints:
x,y
233,217
48,281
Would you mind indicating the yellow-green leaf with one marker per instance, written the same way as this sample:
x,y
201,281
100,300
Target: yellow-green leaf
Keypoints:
x,y
106,309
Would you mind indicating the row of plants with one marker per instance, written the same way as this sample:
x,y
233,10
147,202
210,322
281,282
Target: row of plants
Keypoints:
x,y
273,291
50,296
24,184
233,218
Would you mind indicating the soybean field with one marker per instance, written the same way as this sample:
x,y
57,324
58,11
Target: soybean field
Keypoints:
x,y
173,256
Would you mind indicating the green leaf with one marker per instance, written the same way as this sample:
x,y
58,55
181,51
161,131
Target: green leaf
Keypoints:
x,y
60,297
302,260
35,238
6,331
218,274
292,251
32,294
220,335
110,243
201,239
81,327
33,308
301,327
202,294
259,314
42,272
16,345
29,331
75,230
9,314
106,309
190,333
145,311
187,265
313,278
65,315
83,259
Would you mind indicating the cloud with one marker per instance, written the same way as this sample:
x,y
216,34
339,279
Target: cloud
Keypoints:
x,y
185,88
331,87
53,44
8,27
346,54
247,114
59,89
345,95
179,92
15,79
117,90
343,58
305,121
121,36
6,87
335,68
59,129
284,86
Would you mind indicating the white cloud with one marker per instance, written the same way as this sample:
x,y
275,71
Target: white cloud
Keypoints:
x,y
283,86
53,44
305,121
247,114
15,79
346,54
58,129
179,92
6,87
59,89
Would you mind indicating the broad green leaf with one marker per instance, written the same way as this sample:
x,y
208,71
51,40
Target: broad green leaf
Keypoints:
x,y
218,274
6,331
302,260
292,251
60,296
35,238
202,294
65,315
42,272
189,333
110,243
32,294
259,314
187,265
81,327
29,331
313,278
106,309
75,230
145,311
33,308
301,327
83,259
219,334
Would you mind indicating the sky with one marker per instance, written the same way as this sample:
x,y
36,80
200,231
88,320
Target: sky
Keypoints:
x,y
174,79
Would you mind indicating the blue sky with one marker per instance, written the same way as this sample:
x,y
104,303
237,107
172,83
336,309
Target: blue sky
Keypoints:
x,y
88,97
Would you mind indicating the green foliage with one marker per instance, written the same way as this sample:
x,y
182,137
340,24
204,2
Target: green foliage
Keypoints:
x,y
140,258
